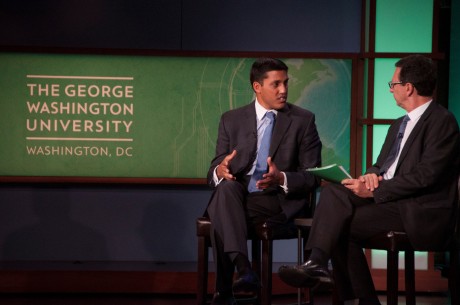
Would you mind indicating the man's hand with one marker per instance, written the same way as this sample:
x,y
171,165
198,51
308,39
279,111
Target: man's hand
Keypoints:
x,y
273,177
223,170
364,186
371,181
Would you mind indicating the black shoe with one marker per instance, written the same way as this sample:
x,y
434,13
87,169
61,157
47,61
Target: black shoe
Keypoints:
x,y
307,275
247,281
222,299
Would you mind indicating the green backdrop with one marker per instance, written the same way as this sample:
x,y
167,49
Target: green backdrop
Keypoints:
x,y
145,116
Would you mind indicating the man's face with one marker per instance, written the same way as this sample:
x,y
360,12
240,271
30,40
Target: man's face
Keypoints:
x,y
398,90
272,93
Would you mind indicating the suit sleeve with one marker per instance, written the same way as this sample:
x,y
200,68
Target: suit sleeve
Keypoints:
x,y
309,155
222,150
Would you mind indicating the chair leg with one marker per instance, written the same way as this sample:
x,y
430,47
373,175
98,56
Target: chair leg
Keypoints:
x,y
266,272
306,292
299,261
454,276
302,255
256,264
255,258
409,277
202,264
392,277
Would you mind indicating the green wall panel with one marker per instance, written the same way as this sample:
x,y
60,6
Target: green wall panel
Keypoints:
x,y
384,104
454,88
404,26
380,131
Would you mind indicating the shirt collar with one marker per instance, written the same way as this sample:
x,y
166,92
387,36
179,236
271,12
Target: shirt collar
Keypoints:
x,y
417,112
260,111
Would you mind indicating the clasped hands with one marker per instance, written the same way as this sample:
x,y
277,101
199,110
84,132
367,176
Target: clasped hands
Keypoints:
x,y
364,186
272,177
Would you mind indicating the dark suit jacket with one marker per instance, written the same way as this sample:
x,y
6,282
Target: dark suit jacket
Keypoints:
x,y
425,182
295,146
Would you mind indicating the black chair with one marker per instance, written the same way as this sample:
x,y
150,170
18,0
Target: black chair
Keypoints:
x,y
262,238
394,242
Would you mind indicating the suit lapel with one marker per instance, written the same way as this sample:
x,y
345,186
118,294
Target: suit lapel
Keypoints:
x,y
249,122
415,132
250,117
282,123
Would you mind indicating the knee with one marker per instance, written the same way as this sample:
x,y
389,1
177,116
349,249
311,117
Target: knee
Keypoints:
x,y
229,186
333,193
228,194
333,189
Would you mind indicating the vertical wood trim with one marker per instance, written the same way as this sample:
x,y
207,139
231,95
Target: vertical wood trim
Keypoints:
x,y
356,129
370,80
435,30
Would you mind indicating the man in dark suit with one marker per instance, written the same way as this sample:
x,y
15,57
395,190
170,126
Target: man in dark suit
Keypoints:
x,y
411,188
280,185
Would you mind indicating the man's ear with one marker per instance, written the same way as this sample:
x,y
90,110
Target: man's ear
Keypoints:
x,y
410,89
256,86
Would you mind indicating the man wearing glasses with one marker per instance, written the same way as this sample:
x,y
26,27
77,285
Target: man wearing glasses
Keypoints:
x,y
412,188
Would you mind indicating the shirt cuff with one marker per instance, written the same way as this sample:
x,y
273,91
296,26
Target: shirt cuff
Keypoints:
x,y
285,185
216,179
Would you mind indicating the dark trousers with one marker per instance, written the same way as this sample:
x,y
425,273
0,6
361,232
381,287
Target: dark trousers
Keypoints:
x,y
231,210
341,222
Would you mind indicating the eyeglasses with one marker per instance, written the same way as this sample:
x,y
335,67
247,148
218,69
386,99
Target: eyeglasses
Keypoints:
x,y
392,84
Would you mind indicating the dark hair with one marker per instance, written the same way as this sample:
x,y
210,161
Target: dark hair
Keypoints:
x,y
420,71
263,65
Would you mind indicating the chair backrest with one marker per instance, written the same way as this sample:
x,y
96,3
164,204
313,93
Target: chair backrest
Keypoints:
x,y
310,209
457,219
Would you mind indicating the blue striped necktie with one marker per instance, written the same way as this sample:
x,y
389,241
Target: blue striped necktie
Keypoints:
x,y
396,146
261,164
